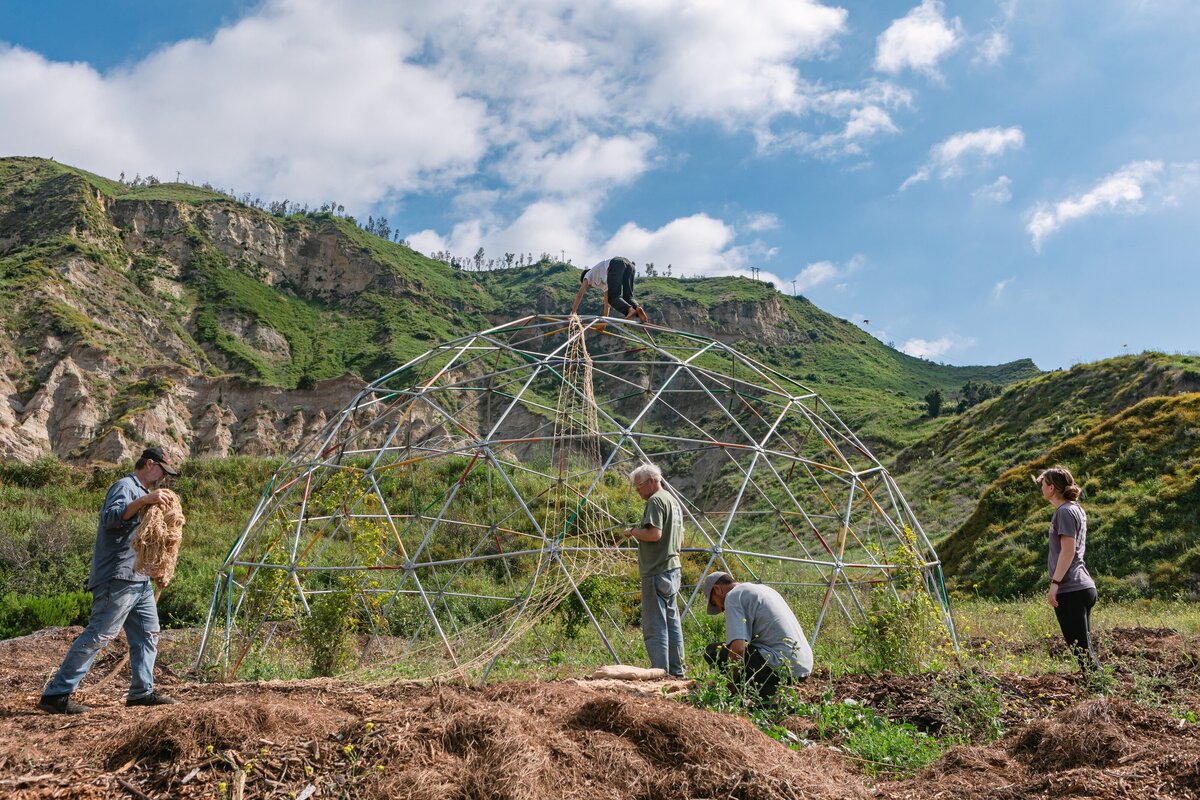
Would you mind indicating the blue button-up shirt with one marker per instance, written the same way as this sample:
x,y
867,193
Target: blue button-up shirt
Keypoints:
x,y
114,556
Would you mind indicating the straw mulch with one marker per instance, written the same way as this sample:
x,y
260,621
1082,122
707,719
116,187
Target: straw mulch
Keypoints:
x,y
1100,748
159,536
557,741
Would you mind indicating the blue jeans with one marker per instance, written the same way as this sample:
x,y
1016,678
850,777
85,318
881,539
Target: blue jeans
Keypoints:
x,y
661,627
115,604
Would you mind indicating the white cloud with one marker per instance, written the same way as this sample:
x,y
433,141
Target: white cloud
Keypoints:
x,y
588,164
335,110
918,40
761,221
815,274
860,115
998,191
694,245
1133,189
529,112
730,61
934,348
559,227
824,273
946,158
993,48
999,288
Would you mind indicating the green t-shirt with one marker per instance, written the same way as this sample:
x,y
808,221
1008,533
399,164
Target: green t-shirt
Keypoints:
x,y
662,512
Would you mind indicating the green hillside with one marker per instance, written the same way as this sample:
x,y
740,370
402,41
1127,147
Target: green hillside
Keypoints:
x,y
209,311
1140,472
946,473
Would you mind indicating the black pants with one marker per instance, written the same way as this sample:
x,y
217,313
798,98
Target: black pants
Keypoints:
x,y
620,285
756,669
1074,614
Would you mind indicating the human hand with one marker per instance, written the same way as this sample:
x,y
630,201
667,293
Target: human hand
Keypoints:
x,y
153,498
1052,595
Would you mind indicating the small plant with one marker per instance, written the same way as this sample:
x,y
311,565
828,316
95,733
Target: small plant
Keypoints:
x,y
971,703
881,744
904,631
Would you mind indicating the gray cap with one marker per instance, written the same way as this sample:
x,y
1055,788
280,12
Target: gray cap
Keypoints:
x,y
707,587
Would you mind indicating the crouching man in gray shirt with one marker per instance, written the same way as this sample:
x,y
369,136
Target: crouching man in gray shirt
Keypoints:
x,y
760,631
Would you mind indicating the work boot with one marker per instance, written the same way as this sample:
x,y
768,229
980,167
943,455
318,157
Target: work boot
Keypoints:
x,y
152,699
60,704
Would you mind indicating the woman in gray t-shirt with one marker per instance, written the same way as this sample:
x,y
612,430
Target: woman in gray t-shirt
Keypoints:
x,y
1072,592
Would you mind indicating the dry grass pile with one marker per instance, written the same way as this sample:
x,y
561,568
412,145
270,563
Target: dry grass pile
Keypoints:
x,y
186,730
159,535
1085,735
1100,748
551,741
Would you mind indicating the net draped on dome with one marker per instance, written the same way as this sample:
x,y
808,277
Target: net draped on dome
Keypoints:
x,y
471,503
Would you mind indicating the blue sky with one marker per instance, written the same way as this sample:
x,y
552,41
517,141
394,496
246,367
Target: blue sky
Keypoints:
x,y
973,182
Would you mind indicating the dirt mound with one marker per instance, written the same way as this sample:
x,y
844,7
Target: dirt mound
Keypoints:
x,y
1085,735
1100,748
553,740
189,730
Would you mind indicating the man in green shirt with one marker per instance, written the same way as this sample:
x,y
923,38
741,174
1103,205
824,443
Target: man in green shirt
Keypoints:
x,y
659,536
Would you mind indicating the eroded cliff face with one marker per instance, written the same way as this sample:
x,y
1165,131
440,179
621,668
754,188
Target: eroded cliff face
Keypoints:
x,y
762,321
314,263
107,358
81,397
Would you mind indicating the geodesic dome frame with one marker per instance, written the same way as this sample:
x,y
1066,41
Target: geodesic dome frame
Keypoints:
x,y
462,499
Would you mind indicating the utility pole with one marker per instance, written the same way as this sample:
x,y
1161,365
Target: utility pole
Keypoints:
x,y
177,176
793,287
754,273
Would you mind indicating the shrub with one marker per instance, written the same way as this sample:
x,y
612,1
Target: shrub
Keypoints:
x,y
21,615
903,631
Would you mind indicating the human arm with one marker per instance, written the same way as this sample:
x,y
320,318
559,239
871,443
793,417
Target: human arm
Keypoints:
x,y
583,287
124,501
135,507
737,648
650,528
645,533
1065,556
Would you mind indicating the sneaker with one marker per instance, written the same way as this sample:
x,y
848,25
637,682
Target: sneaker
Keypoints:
x,y
152,699
60,704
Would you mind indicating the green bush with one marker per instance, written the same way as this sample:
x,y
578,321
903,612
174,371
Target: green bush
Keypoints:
x,y
21,615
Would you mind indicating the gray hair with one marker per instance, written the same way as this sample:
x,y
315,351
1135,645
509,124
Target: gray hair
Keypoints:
x,y
645,473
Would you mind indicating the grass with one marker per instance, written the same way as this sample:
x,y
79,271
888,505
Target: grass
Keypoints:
x,y
1140,472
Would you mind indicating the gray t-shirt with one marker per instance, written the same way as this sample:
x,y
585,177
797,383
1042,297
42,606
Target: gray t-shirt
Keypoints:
x,y
1069,520
662,512
759,615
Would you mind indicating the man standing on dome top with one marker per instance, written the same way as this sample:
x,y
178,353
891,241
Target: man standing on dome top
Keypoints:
x,y
614,278
122,597
659,536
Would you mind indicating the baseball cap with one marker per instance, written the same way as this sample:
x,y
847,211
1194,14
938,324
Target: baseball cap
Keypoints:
x,y
156,455
707,587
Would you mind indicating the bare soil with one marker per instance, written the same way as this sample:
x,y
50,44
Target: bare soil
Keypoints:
x,y
577,739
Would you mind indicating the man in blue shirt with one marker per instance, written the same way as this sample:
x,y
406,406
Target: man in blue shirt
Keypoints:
x,y
122,597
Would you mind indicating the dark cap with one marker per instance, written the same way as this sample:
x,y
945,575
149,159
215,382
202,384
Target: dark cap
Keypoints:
x,y
156,455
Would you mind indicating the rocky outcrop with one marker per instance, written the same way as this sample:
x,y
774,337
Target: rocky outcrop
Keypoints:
x,y
71,415
314,262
